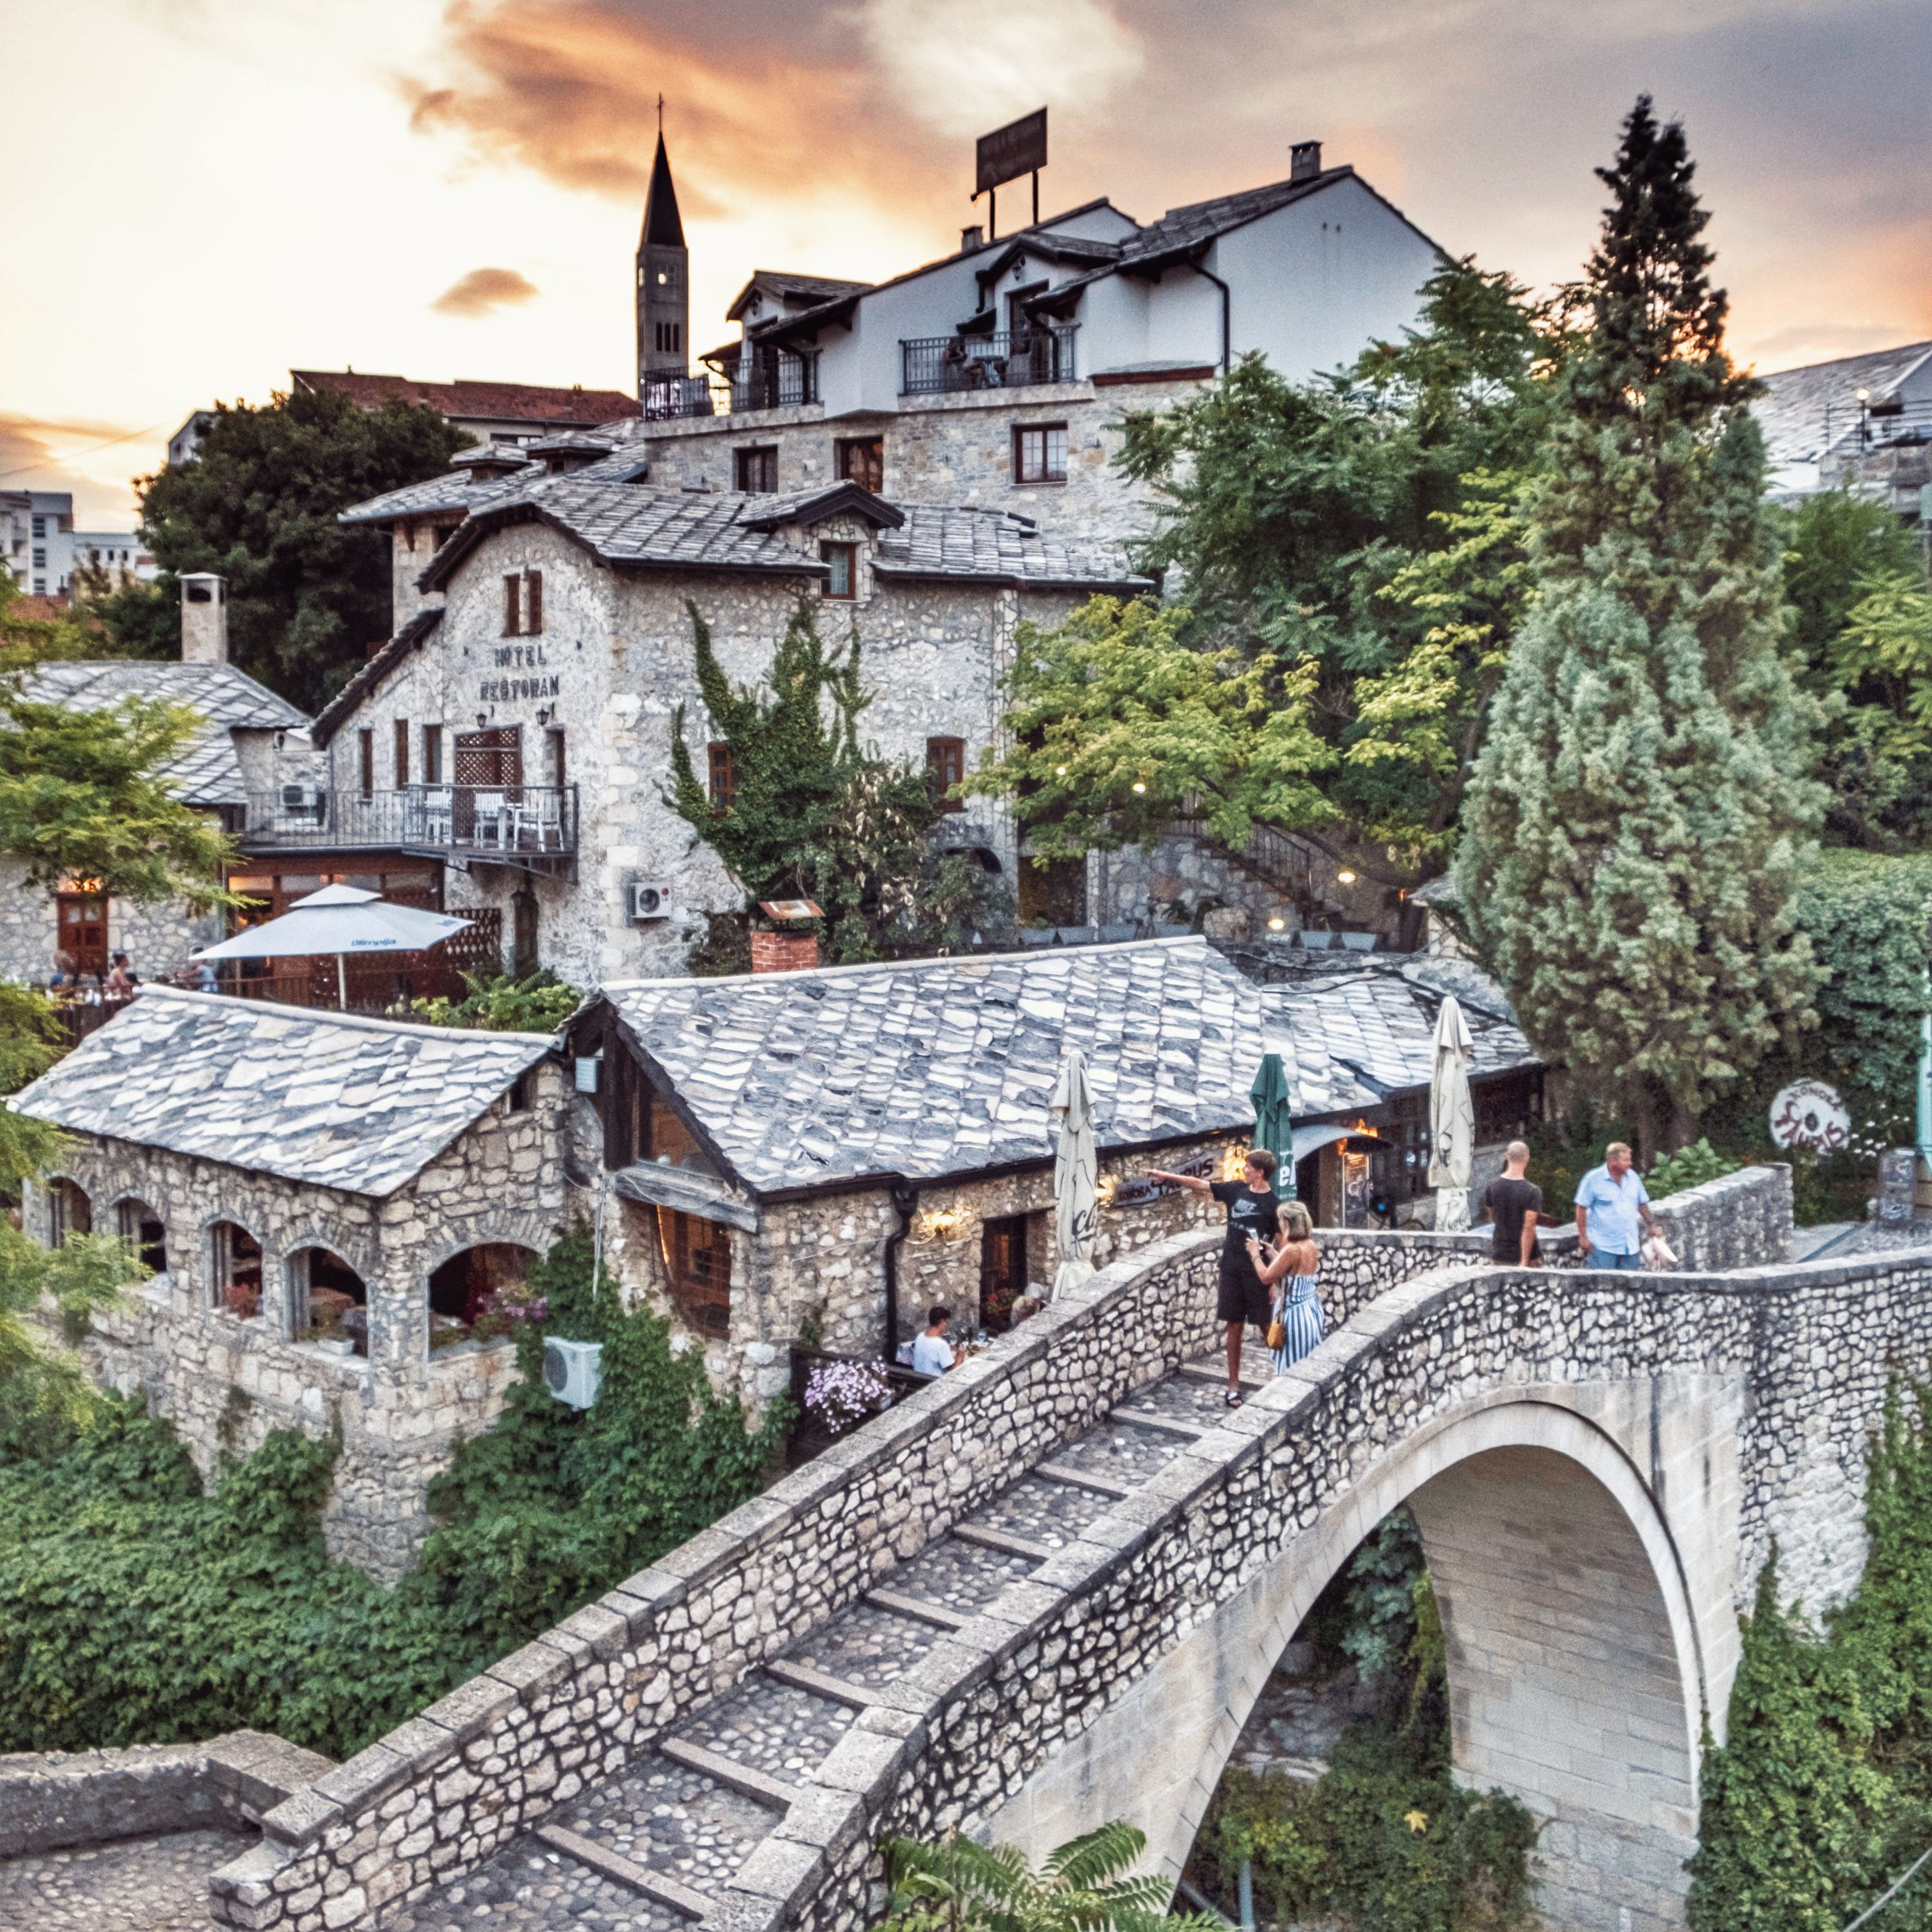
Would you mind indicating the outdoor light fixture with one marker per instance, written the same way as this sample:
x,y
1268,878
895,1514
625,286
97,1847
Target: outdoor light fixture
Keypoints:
x,y
1233,1161
940,1223
1060,771
1345,876
1138,786
1277,924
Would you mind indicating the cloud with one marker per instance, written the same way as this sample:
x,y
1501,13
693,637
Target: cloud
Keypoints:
x,y
86,458
483,291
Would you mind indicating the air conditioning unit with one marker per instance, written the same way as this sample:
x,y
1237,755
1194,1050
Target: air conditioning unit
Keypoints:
x,y
300,798
651,899
573,1371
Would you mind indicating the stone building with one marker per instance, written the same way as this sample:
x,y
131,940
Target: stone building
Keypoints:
x,y
253,744
327,1203
516,734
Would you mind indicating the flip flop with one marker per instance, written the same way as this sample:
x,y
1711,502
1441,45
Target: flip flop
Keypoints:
x,y
1234,1398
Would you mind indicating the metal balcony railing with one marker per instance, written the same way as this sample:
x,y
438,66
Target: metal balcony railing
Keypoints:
x,y
936,365
518,824
665,398
773,380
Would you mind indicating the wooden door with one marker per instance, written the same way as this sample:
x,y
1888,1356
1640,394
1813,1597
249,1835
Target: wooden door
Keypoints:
x,y
485,761
1002,1270
83,926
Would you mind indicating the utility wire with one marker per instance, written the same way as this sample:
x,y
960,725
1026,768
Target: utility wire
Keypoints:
x,y
1872,1911
56,462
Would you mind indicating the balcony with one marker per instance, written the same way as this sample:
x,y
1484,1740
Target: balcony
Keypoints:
x,y
775,380
943,365
532,827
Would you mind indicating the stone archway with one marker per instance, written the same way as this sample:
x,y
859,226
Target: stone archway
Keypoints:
x,y
1512,1493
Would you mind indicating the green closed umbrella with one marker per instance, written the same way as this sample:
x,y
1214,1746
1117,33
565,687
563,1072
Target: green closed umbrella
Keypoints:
x,y
1272,1130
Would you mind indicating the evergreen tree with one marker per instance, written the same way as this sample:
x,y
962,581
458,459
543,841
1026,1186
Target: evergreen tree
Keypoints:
x,y
1787,1840
1639,813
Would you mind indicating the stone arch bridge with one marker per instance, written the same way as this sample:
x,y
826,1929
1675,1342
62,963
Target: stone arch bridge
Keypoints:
x,y
1046,1591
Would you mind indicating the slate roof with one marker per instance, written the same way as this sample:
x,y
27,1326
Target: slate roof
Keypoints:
x,y
779,282
937,1067
460,490
1804,412
1354,1037
528,402
207,773
328,1099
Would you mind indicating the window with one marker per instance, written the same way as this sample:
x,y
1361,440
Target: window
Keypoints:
x,y
724,779
757,470
670,336
841,574
517,1101
328,1300
533,602
432,754
513,606
39,559
401,729
697,1263
365,744
862,460
1002,1269
69,1211
40,526
945,767
140,1226
1039,455
234,1271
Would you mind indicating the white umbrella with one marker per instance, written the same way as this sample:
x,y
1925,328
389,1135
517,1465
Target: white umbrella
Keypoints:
x,y
1452,1119
340,919
1074,1209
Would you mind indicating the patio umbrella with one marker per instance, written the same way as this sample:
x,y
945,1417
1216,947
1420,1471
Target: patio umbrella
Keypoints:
x,y
340,919
1452,1119
1272,1130
1074,1189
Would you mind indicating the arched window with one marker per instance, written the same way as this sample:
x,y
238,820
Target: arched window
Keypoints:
x,y
140,1227
70,1211
465,1288
329,1300
235,1269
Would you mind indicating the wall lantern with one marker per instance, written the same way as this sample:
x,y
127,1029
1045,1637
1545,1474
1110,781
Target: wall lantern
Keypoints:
x,y
1234,1161
1345,876
941,1224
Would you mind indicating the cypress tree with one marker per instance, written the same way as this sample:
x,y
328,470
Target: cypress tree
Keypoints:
x,y
1637,816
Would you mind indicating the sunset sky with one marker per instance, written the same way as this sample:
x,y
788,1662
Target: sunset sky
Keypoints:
x,y
203,193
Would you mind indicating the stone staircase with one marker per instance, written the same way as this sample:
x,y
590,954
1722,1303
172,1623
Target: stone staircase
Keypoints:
x,y
654,1846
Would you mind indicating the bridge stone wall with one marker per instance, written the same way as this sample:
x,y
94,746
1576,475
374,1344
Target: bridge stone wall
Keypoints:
x,y
966,1730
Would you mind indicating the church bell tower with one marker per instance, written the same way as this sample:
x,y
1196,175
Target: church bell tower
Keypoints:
x,y
663,292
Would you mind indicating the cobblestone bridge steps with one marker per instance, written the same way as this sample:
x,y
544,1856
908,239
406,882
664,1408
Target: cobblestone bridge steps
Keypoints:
x,y
654,1847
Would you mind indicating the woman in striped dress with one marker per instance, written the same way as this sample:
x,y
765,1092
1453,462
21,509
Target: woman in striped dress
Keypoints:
x,y
1294,1271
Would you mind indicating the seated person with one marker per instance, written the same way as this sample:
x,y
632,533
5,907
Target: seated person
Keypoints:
x,y
932,1353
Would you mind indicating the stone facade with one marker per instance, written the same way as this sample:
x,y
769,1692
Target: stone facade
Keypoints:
x,y
156,938
225,1382
612,666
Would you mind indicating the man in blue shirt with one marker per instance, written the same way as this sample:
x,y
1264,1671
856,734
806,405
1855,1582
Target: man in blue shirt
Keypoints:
x,y
1609,1200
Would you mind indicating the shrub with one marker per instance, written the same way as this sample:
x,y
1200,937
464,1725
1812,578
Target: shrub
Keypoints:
x,y
540,1002
1689,1166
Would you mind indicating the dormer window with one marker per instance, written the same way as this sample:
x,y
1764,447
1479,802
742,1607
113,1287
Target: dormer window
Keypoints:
x,y
841,574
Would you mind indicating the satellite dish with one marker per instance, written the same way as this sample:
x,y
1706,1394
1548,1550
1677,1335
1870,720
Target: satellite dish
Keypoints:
x,y
1810,1114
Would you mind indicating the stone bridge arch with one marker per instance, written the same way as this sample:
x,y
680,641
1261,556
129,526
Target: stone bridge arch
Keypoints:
x,y
1585,1701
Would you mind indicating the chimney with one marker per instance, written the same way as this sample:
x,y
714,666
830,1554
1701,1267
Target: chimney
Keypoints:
x,y
1304,161
789,945
204,618
970,238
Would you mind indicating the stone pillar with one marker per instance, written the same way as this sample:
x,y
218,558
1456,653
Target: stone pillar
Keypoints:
x,y
1563,1683
204,618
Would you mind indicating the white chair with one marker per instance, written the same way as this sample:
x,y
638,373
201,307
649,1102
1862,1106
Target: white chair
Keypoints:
x,y
439,810
492,812
541,814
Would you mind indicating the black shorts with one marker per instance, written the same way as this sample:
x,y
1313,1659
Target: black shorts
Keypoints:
x,y
1244,1296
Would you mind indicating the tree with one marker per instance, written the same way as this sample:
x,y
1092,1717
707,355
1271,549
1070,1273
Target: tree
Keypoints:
x,y
306,595
810,814
1639,813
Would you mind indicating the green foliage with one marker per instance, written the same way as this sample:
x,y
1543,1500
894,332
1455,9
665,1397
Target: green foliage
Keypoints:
x,y
1562,1151
812,815
306,595
1634,831
958,1886
39,1380
136,1607
1380,1603
1689,1166
540,1002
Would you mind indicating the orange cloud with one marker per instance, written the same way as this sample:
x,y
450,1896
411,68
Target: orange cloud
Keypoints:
x,y
483,291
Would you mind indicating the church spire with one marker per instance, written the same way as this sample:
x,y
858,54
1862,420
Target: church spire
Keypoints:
x,y
663,299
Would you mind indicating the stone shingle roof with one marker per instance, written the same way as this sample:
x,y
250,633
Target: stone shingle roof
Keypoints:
x,y
1805,412
936,1067
526,402
327,1099
1357,1036
207,773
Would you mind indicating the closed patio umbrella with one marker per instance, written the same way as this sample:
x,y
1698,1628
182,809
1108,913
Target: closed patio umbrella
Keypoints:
x,y
1272,1129
342,920
1452,1119
1074,1184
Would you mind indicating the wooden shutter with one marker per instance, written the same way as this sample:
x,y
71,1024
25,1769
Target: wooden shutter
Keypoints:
x,y
513,606
533,602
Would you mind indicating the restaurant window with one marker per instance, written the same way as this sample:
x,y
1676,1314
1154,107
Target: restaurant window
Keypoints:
x,y
723,777
757,470
697,1267
841,570
330,1301
235,1269
140,1227
533,603
513,606
70,1212
401,729
559,770
473,1284
81,919
862,460
945,767
365,745
432,754
1039,454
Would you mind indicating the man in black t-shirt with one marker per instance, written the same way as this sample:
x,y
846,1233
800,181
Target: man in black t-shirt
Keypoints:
x,y
1252,1205
1514,1204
